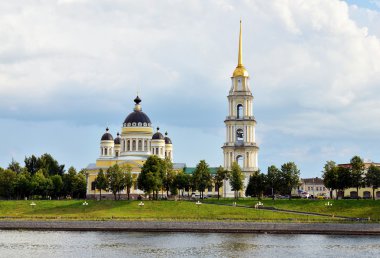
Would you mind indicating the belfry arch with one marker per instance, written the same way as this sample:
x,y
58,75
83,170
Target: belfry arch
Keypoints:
x,y
239,111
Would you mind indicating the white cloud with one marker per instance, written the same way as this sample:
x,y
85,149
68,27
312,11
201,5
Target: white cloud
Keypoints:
x,y
315,67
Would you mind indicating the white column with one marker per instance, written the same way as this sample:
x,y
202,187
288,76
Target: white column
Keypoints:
x,y
130,144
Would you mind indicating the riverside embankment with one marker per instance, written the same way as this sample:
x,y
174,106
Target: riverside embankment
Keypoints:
x,y
196,227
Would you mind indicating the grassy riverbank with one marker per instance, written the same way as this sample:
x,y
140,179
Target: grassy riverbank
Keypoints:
x,y
347,208
188,211
152,210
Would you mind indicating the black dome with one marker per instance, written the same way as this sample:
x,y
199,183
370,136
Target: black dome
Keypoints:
x,y
167,139
136,117
107,136
117,139
158,135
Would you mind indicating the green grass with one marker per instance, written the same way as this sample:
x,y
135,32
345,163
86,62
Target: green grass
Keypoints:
x,y
348,208
152,210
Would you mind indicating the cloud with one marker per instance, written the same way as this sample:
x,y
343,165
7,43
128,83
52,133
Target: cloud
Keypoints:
x,y
314,65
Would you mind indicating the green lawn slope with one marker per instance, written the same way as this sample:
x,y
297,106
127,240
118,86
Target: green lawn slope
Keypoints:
x,y
152,210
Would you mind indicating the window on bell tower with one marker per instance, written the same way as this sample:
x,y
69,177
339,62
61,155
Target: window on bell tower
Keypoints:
x,y
239,135
239,111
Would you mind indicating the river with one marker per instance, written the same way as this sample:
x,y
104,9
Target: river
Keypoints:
x,y
27,244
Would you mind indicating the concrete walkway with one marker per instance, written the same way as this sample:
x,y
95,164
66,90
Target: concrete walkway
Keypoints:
x,y
196,227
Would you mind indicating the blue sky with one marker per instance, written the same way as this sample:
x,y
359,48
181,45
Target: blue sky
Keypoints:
x,y
70,68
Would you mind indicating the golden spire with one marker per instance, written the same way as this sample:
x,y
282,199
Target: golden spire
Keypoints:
x,y
240,54
240,69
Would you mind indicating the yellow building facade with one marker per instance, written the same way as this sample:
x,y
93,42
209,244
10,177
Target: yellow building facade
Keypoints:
x,y
132,147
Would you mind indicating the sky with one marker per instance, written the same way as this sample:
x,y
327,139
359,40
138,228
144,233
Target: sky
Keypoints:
x,y
70,68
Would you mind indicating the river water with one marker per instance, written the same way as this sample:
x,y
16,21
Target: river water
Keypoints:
x,y
121,244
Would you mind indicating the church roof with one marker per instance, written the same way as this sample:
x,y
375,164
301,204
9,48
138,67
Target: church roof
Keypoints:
x,y
107,136
137,117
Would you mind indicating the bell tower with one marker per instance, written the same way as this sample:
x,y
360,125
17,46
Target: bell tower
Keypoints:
x,y
240,144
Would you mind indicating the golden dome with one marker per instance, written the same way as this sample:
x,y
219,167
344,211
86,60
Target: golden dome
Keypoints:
x,y
240,71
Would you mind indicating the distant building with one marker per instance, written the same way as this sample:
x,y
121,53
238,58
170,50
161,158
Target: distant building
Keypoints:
x,y
364,192
312,187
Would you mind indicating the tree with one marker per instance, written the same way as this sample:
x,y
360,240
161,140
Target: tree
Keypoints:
x,y
128,180
330,176
182,181
7,182
150,179
357,173
69,182
80,185
115,179
373,178
15,166
23,184
32,164
167,175
289,177
220,177
41,185
344,179
236,179
202,177
256,185
101,182
57,185
273,179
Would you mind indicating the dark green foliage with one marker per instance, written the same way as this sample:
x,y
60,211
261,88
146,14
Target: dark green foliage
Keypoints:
x,y
116,182
57,186
182,181
373,179
202,177
344,179
236,179
15,166
150,179
7,183
357,173
273,180
289,177
220,177
101,182
330,176
128,180
256,185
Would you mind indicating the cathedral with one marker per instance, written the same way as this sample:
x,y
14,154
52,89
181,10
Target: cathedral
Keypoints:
x,y
138,140
132,147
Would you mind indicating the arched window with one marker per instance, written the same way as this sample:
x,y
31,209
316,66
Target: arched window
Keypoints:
x,y
140,145
105,151
133,145
239,111
239,135
240,161
128,144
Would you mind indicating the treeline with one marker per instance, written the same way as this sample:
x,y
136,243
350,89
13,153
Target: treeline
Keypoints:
x,y
355,175
276,181
157,177
41,177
